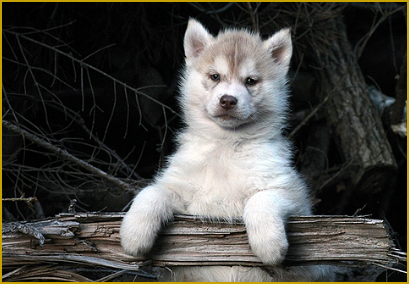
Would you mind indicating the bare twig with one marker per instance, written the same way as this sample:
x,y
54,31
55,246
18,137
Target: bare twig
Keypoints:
x,y
25,199
90,67
65,155
360,46
253,16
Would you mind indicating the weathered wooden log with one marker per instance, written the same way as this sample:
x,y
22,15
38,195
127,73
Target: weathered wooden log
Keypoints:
x,y
93,239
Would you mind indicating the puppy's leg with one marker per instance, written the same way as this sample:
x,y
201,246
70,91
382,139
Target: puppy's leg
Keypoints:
x,y
265,217
151,208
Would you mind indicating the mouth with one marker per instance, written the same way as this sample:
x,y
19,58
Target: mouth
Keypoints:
x,y
229,121
225,117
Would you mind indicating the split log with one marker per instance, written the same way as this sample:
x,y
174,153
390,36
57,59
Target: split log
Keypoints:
x,y
92,239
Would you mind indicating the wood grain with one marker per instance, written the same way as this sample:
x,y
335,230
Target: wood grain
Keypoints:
x,y
93,239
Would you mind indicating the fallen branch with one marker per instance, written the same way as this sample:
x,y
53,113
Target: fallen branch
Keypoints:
x,y
93,239
66,155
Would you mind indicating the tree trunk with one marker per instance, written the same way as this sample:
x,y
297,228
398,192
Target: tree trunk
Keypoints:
x,y
356,126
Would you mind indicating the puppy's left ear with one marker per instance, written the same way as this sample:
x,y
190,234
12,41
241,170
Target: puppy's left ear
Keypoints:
x,y
280,47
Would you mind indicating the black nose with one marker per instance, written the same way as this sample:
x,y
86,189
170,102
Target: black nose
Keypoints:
x,y
228,102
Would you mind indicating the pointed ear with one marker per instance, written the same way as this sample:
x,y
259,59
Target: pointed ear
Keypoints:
x,y
196,39
280,47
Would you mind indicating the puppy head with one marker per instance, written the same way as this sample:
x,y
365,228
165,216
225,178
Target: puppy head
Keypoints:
x,y
235,80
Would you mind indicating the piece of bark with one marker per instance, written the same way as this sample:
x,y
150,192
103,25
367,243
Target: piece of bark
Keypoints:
x,y
93,239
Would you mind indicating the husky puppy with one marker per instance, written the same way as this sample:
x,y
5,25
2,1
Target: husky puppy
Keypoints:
x,y
232,159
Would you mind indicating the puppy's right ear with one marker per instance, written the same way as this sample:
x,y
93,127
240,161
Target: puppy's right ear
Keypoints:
x,y
196,39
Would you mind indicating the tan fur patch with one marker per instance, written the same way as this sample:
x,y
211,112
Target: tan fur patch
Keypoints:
x,y
236,55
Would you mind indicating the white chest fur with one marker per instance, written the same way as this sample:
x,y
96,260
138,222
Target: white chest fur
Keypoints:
x,y
216,179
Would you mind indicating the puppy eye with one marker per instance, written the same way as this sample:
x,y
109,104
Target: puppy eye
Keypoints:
x,y
251,81
215,77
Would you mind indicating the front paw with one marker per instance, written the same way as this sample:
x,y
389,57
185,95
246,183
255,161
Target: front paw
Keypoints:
x,y
149,211
270,246
137,235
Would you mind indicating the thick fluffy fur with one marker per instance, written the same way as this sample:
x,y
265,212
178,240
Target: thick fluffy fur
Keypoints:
x,y
232,159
